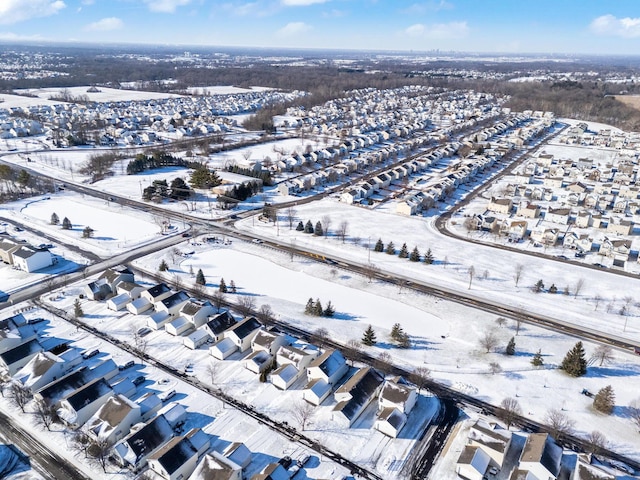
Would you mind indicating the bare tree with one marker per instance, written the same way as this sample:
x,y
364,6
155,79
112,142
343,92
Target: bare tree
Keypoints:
x,y
559,423
596,442
342,230
20,395
471,272
218,300
634,412
509,411
290,215
501,321
177,282
518,273
494,367
81,442
603,354
383,362
320,337
370,271
213,369
489,340
45,414
352,350
597,299
265,314
99,449
578,288
302,411
421,377
326,224
246,305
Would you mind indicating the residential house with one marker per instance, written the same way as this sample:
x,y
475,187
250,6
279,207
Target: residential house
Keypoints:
x,y
615,248
119,302
167,309
585,470
541,456
528,210
7,247
13,335
132,289
500,205
492,439
116,275
472,463
545,236
292,362
356,394
30,259
149,404
517,230
14,359
196,339
97,290
179,457
215,466
135,448
241,334
264,346
46,367
583,219
148,298
273,471
617,226
79,406
217,324
322,374
238,453
580,242
113,420
197,312
395,401
558,215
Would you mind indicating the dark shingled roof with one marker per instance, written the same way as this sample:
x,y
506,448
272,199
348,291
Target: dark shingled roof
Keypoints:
x,y
175,453
175,299
88,394
361,386
18,353
221,322
245,327
150,437
158,289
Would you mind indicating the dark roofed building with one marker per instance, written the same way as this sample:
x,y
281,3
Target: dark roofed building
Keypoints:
x,y
356,394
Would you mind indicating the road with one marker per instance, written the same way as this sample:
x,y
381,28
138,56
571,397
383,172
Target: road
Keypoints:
x,y
44,461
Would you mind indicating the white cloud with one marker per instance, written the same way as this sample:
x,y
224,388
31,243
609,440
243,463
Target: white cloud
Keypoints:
x,y
165,6
619,27
424,7
105,25
14,37
301,3
438,31
13,11
293,28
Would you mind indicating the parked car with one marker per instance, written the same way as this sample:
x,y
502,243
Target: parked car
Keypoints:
x,y
129,364
164,396
144,331
303,460
139,380
285,462
493,470
90,353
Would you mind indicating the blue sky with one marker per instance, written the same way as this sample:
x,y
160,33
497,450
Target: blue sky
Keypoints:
x,y
513,26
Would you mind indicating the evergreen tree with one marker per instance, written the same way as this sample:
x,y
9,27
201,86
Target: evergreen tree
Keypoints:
x,y
539,286
308,309
300,226
574,362
379,246
232,286
77,309
537,360
428,257
396,331
308,227
511,347
55,220
87,232
318,230
391,249
223,286
553,288
329,310
604,400
369,337
200,280
163,267
404,341
317,308
415,255
66,224
404,252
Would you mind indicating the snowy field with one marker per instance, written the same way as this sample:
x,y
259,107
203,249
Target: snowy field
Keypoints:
x,y
18,101
103,95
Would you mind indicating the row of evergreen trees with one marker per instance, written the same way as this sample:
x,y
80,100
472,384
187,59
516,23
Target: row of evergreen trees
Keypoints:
x,y
315,308
413,256
398,335
309,228
143,162
263,175
243,191
66,223
178,190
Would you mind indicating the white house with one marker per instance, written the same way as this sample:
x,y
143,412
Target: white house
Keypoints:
x,y
472,463
241,334
492,438
264,346
196,339
215,466
113,420
14,359
29,259
355,395
76,408
179,457
217,324
541,456
292,361
585,470
395,401
322,373
46,367
197,312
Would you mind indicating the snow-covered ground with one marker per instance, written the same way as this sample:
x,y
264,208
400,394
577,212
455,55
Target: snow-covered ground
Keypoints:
x,y
104,94
225,90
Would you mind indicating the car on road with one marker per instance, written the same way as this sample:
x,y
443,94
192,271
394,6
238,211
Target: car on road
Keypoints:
x,y
186,235
188,369
257,240
165,396
139,380
493,470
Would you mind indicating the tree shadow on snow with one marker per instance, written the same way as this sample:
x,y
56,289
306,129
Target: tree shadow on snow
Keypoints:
x,y
604,372
104,238
344,316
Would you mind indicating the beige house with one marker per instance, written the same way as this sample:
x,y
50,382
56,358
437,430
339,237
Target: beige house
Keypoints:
x,y
500,205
